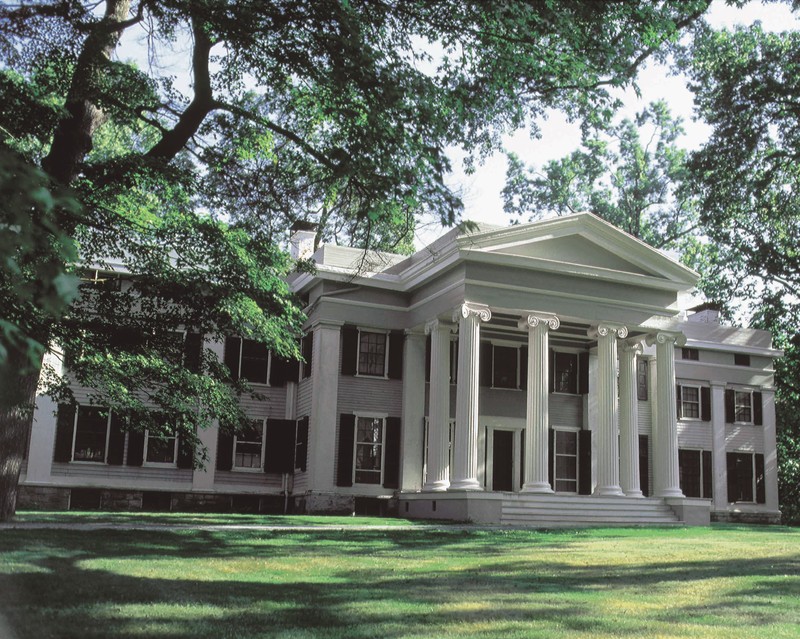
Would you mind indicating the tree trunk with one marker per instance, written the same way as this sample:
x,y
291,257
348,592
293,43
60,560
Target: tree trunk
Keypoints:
x,y
18,380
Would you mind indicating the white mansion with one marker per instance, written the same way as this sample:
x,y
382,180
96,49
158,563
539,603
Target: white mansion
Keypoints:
x,y
544,374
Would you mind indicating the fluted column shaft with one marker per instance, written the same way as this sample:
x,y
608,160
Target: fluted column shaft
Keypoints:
x,y
465,444
628,421
665,452
537,419
607,415
438,470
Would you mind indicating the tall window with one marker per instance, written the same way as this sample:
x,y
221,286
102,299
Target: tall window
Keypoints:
x,y
248,446
566,461
372,349
505,366
743,406
690,402
90,439
565,372
746,477
641,379
369,450
694,467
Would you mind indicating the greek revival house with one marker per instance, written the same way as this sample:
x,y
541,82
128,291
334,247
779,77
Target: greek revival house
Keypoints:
x,y
544,374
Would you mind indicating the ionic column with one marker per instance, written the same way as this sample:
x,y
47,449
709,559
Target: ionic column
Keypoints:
x,y
629,420
665,450
413,410
607,417
438,473
465,441
537,414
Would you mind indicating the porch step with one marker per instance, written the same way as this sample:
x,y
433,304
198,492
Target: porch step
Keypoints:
x,y
579,510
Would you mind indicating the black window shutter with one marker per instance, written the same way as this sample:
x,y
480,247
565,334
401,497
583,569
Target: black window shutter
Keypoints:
x,y
279,446
116,440
551,373
233,347
308,349
522,459
758,412
396,339
349,350
135,448
583,374
644,465
761,494
282,370
185,453
486,364
733,477
678,401
523,367
391,455
224,450
551,443
708,477
65,424
428,358
705,404
730,411
585,462
344,470
192,350
301,450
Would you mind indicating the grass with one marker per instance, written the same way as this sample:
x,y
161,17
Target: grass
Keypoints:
x,y
725,581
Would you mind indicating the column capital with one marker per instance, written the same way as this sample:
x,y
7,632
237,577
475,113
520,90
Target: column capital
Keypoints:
x,y
327,323
606,329
716,384
467,309
437,324
664,337
543,320
631,347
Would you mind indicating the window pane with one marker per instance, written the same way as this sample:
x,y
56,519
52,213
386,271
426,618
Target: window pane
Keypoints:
x,y
255,359
371,353
505,367
567,443
369,450
161,450
565,373
90,434
743,407
566,466
248,447
566,486
641,379
690,401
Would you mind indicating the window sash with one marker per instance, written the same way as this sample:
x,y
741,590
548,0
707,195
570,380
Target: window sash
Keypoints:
x,y
743,407
565,373
641,379
368,454
690,402
254,361
90,434
160,449
505,366
372,353
691,472
248,449
565,460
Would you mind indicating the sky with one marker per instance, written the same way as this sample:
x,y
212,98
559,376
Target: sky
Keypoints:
x,y
481,190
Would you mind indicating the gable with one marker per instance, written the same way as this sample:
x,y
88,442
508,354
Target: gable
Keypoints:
x,y
573,249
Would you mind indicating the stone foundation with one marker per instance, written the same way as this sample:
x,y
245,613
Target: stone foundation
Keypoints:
x,y
42,498
739,517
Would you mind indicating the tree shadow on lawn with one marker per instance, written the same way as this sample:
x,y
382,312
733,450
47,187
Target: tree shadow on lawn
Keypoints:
x,y
67,598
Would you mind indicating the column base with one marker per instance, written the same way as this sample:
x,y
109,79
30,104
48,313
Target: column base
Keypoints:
x,y
436,486
608,491
636,494
537,487
465,484
671,492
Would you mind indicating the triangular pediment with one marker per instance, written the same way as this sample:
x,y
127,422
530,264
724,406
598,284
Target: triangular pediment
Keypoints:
x,y
577,243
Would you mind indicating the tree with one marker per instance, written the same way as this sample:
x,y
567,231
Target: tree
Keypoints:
x,y
747,177
629,174
336,109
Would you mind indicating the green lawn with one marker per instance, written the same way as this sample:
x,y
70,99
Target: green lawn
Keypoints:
x,y
725,582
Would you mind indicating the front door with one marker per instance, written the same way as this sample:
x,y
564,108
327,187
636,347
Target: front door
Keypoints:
x,y
502,460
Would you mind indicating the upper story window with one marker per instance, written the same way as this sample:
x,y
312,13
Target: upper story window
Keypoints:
x,y
690,353
505,366
743,407
565,373
641,379
372,353
694,402
740,359
100,281
90,440
247,359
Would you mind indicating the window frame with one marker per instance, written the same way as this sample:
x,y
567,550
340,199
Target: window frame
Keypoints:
x,y
517,375
753,477
72,459
690,354
741,359
699,403
372,331
146,462
577,374
251,469
642,379
701,479
576,432
736,405
369,416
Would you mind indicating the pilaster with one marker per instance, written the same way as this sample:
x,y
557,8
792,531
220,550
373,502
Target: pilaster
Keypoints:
x,y
43,432
770,448
607,415
413,410
438,471
629,420
719,461
465,444
537,418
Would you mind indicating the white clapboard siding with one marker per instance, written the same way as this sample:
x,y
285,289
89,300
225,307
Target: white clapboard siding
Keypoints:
x,y
694,435
132,474
645,414
370,395
744,438
566,410
248,482
304,389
